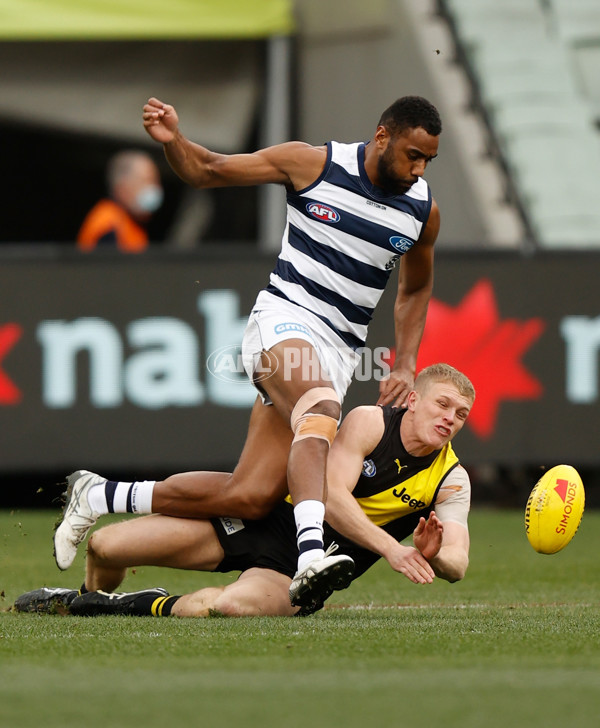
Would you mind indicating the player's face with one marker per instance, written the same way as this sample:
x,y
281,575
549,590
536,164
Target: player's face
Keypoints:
x,y
404,158
440,411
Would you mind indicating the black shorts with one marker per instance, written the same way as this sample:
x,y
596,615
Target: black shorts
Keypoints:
x,y
271,542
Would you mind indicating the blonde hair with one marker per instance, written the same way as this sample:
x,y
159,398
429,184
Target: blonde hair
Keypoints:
x,y
445,373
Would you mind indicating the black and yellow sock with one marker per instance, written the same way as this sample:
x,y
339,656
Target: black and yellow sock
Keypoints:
x,y
161,607
146,605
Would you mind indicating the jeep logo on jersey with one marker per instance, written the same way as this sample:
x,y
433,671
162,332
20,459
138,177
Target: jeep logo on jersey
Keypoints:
x,y
401,244
407,498
322,212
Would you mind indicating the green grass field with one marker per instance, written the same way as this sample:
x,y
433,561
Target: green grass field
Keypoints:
x,y
517,643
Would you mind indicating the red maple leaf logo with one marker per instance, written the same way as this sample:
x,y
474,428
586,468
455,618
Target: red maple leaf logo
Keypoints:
x,y
561,489
472,338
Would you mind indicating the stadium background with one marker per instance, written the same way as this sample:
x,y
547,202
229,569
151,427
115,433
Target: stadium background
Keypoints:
x,y
516,302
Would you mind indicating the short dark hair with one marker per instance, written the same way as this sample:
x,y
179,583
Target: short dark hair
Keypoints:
x,y
409,112
122,164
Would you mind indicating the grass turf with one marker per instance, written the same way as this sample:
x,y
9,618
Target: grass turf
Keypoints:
x,y
517,643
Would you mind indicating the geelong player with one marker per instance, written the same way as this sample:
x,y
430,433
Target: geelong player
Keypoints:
x,y
352,211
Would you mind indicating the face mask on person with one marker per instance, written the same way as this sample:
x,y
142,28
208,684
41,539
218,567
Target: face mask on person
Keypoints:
x,y
149,198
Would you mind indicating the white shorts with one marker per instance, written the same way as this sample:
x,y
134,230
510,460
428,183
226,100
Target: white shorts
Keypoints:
x,y
274,320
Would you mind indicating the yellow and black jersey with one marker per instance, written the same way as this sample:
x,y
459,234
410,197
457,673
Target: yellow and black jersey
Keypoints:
x,y
395,489
394,483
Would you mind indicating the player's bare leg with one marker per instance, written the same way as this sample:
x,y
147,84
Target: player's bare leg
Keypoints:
x,y
177,543
257,483
180,543
304,394
257,593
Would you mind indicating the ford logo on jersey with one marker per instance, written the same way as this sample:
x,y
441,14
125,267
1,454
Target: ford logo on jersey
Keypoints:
x,y
401,244
322,212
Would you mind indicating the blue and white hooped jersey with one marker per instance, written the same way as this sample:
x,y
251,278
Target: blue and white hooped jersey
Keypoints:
x,y
342,239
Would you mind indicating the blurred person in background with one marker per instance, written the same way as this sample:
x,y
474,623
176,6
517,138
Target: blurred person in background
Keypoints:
x,y
134,194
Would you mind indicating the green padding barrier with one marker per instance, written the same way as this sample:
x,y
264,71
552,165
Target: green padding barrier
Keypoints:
x,y
143,19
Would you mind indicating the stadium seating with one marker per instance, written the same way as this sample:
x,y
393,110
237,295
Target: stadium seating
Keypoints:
x,y
536,69
576,20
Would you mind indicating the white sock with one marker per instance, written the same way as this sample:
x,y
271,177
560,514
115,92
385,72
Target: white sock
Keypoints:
x,y
309,516
97,498
119,497
141,496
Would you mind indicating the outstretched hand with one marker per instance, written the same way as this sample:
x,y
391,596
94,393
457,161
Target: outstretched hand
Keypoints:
x,y
160,120
412,564
394,388
427,536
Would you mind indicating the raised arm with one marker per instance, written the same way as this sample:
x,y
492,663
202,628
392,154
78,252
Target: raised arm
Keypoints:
x,y
415,283
293,164
359,433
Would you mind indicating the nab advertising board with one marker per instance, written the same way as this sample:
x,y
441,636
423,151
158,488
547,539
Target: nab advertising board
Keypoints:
x,y
109,363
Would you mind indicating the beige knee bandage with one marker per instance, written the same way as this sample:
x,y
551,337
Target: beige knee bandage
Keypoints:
x,y
322,427
310,424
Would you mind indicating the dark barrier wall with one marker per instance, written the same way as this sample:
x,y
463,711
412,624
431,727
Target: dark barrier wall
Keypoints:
x,y
103,362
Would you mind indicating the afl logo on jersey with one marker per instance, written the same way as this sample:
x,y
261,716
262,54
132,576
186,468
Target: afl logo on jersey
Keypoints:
x,y
401,244
322,212
369,469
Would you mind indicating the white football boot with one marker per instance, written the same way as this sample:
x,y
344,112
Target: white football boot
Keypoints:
x,y
77,518
320,578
